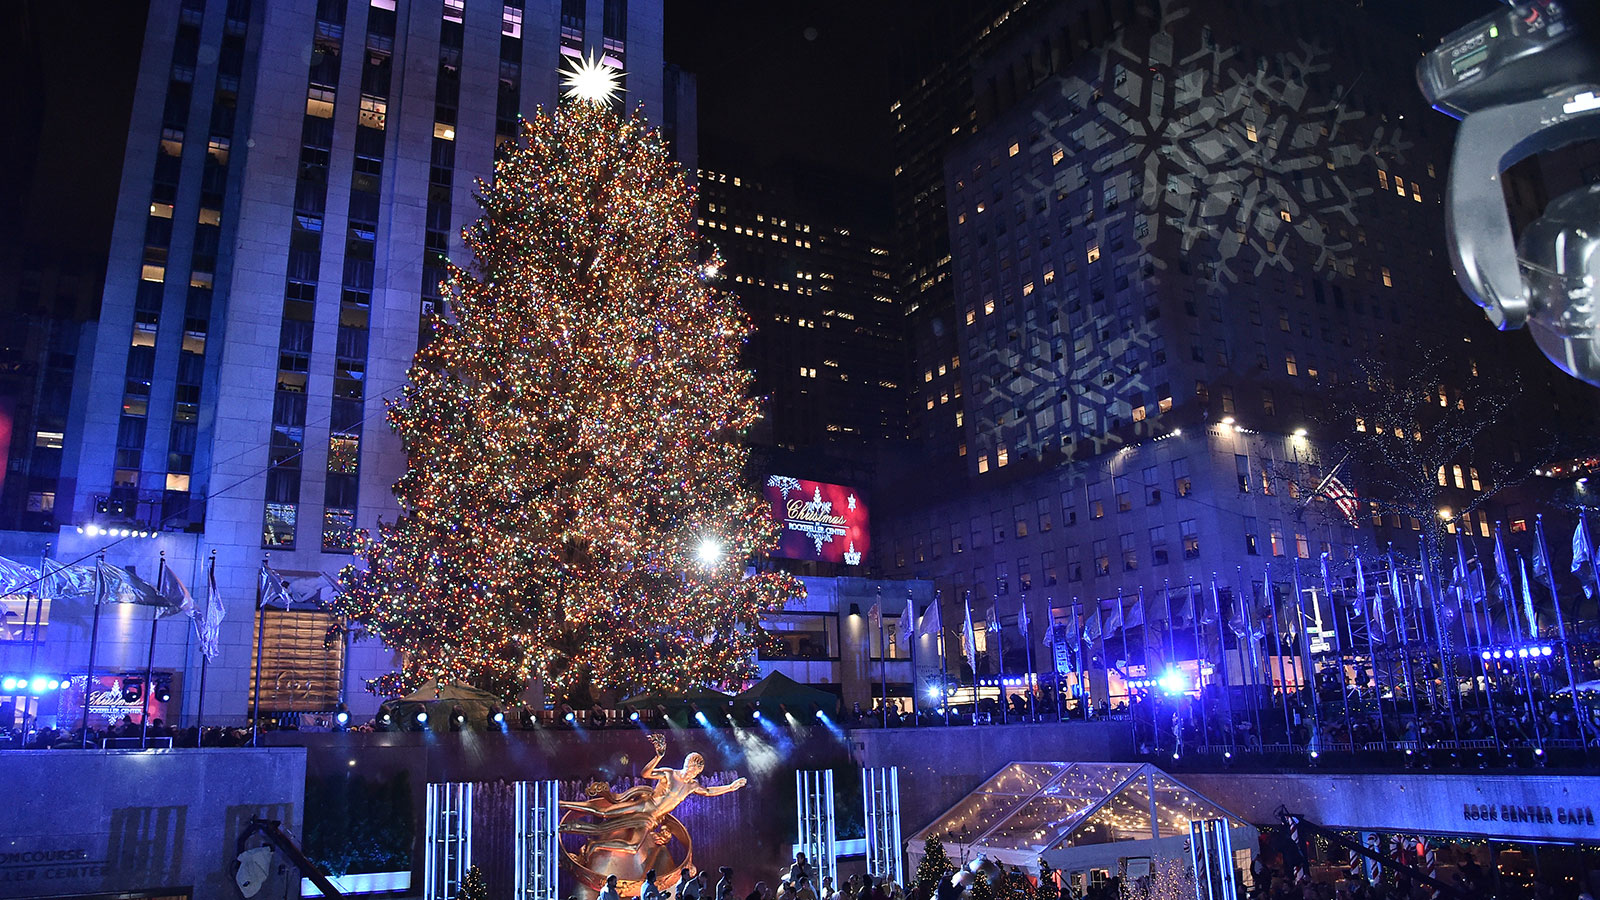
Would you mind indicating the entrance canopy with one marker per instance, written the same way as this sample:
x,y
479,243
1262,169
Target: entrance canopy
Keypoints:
x,y
1030,809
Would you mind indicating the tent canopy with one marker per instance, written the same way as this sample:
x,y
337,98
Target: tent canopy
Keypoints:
x,y
778,689
1029,808
439,701
430,691
671,699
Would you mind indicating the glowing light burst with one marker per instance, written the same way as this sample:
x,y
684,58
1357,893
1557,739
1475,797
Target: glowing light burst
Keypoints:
x,y
592,80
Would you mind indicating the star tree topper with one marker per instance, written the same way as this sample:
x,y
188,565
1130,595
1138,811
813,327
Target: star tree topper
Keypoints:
x,y
592,81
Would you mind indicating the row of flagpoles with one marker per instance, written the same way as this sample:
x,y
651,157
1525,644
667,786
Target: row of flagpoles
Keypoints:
x,y
104,583
1405,613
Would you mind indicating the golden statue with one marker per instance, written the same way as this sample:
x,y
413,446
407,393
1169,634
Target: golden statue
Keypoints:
x,y
631,833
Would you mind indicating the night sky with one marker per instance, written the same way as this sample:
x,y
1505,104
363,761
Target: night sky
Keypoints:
x,y
799,85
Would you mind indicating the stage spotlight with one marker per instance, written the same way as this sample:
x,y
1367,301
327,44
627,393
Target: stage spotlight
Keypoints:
x,y
53,684
1174,754
342,717
1227,754
701,718
37,685
1522,652
422,717
385,720
1172,681
570,717
1315,754
1538,751
1546,650
9,684
819,714
164,695
497,718
1486,655
756,715
633,716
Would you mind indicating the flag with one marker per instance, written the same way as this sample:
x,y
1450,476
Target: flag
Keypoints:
x,y
933,621
1022,618
1541,558
1134,617
969,638
1503,582
66,582
273,589
992,619
209,622
875,616
118,585
1361,589
1527,599
1583,561
16,578
174,592
907,632
1344,499
1112,621
1091,626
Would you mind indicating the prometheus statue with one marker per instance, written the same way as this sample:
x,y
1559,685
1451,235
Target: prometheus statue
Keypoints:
x,y
632,832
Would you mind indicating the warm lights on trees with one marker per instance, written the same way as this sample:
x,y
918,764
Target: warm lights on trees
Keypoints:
x,y
574,508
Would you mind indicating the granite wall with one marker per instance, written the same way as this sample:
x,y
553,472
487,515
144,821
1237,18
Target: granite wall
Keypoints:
x,y
109,821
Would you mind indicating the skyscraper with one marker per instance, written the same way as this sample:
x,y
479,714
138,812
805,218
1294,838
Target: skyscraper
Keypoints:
x,y
826,351
296,175
1173,231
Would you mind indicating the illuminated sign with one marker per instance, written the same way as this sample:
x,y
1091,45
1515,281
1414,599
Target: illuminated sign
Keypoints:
x,y
826,522
114,698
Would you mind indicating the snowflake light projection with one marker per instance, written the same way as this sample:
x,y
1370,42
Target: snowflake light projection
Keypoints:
x,y
1225,156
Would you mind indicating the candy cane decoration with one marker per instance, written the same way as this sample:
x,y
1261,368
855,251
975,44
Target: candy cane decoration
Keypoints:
x,y
1432,865
1300,873
1372,870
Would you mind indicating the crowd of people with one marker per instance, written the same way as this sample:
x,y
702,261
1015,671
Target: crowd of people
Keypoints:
x,y
158,734
1469,878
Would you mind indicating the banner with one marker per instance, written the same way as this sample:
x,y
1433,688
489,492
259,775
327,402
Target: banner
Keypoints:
x,y
825,522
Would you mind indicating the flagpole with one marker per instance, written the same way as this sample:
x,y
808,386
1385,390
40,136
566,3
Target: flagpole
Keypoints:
x,y
255,699
1588,543
1127,657
1338,644
1447,671
1240,593
1222,660
1372,650
150,660
1277,652
1105,655
1199,663
1405,640
94,641
1077,669
944,668
38,615
205,660
1303,649
1561,625
915,634
1000,656
1027,645
883,658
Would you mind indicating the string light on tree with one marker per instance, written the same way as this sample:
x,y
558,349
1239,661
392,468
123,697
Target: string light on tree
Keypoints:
x,y
572,431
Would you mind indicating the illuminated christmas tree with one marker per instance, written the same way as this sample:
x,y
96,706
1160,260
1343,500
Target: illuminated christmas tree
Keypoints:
x,y
575,508
473,887
934,866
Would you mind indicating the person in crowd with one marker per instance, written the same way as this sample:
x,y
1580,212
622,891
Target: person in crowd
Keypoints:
x,y
609,892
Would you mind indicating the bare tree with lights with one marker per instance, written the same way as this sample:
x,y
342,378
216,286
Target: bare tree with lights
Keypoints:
x,y
1405,429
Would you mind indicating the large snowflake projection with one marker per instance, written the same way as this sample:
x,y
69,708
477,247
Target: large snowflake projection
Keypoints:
x,y
1227,152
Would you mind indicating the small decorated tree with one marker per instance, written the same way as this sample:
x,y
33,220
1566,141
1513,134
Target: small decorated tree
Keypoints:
x,y
473,886
934,866
981,888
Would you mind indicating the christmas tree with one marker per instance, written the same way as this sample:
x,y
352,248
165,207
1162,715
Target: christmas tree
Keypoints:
x,y
473,886
574,507
934,866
